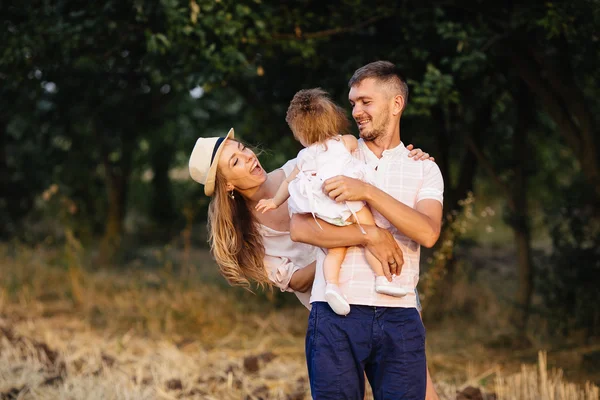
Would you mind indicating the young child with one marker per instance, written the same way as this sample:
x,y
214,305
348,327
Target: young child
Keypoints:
x,y
316,123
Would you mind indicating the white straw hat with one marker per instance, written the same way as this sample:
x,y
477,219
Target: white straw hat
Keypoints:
x,y
204,160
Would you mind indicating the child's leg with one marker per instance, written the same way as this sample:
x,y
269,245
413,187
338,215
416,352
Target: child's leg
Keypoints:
x,y
332,264
331,270
365,217
382,285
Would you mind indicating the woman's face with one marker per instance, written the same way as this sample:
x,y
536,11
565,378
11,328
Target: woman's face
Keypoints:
x,y
240,167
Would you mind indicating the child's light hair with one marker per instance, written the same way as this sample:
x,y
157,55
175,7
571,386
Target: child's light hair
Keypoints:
x,y
313,117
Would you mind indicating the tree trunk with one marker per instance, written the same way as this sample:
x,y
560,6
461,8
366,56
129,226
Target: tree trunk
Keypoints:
x,y
442,159
566,106
525,274
3,160
520,217
117,184
113,231
469,162
468,166
442,274
162,207
517,203
5,226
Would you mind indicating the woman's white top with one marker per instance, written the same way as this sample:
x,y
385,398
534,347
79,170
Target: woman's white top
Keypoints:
x,y
283,257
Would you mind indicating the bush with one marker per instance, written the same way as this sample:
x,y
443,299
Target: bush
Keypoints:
x,y
568,283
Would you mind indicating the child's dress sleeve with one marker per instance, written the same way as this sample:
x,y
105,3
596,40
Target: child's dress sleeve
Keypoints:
x,y
307,160
289,166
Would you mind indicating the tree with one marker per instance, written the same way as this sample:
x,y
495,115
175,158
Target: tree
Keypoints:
x,y
113,69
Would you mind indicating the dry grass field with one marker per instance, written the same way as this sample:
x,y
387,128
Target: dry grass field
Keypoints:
x,y
68,332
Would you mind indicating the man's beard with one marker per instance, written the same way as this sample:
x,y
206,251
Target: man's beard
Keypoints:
x,y
378,130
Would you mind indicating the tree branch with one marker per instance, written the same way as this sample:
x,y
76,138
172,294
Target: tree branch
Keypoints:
x,y
565,107
529,70
327,32
487,165
562,82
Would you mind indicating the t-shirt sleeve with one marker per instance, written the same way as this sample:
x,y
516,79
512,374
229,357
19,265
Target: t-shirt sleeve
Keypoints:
x,y
433,183
280,271
289,166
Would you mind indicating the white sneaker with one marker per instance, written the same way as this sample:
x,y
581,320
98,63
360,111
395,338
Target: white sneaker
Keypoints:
x,y
383,286
336,299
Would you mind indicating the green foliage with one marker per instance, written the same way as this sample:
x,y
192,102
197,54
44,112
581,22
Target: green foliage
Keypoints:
x,y
569,281
436,89
95,96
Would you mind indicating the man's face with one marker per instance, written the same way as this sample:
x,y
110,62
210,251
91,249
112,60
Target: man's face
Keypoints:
x,y
371,108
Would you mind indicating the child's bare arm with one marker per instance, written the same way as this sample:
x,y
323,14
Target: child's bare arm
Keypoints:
x,y
350,142
280,197
283,193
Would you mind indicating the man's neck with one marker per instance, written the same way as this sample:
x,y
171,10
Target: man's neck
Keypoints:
x,y
388,141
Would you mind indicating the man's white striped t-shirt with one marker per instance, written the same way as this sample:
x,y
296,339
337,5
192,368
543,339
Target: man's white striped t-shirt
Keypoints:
x,y
409,182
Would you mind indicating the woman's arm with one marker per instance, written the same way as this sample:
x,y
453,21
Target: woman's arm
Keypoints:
x,y
302,279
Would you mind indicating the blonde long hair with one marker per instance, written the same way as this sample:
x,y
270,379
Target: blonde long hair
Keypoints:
x,y
235,240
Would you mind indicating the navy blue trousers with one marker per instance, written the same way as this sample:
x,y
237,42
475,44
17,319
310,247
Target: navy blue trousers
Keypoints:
x,y
386,343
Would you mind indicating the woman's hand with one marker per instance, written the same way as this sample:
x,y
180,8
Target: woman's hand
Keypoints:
x,y
418,154
381,243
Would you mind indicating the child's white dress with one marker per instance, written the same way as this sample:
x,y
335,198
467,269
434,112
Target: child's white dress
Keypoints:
x,y
317,163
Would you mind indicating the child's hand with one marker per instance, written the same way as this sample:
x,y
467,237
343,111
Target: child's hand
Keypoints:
x,y
265,205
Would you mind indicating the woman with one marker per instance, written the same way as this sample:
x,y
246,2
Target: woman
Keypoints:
x,y
252,247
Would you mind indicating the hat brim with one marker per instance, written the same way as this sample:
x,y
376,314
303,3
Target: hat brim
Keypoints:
x,y
209,187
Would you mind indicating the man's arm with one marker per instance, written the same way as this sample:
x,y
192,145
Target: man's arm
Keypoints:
x,y
422,224
303,228
379,242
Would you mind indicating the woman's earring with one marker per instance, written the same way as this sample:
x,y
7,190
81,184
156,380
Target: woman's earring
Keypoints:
x,y
231,195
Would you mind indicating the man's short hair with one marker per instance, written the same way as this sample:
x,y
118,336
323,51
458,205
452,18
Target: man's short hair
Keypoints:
x,y
384,72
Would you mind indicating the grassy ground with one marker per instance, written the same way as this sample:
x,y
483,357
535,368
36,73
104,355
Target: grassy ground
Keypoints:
x,y
162,332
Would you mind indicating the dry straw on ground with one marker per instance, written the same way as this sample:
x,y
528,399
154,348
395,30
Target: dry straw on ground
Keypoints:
x,y
536,382
141,335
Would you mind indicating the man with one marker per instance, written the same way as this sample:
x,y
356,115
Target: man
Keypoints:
x,y
383,335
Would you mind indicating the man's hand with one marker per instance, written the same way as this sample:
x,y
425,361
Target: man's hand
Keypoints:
x,y
342,188
381,243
